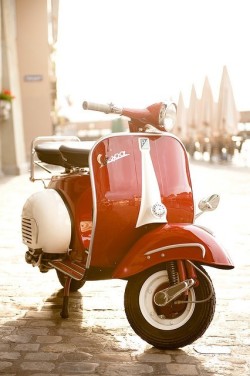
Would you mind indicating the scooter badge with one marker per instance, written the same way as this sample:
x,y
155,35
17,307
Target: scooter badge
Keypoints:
x,y
103,161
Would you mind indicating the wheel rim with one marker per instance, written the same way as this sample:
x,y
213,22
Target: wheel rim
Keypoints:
x,y
155,316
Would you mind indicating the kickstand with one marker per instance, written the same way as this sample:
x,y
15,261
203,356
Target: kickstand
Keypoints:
x,y
65,306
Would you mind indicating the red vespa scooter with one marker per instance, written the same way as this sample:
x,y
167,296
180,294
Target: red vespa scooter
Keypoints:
x,y
123,208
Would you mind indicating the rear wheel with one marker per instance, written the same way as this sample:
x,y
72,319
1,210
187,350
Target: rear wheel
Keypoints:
x,y
74,285
173,325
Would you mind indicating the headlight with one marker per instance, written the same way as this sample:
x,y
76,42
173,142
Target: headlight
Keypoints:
x,y
167,116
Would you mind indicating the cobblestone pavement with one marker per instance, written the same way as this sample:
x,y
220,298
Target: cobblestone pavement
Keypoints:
x,y
97,339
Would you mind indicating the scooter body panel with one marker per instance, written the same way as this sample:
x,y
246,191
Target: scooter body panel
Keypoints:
x,y
118,186
173,242
75,189
44,215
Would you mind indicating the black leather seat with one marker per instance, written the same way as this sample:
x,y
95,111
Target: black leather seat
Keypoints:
x,y
76,154
48,152
68,154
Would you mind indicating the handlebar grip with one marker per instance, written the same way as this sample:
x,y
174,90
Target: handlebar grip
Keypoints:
x,y
106,108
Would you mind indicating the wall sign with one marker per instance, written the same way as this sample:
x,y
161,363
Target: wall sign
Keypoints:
x,y
33,77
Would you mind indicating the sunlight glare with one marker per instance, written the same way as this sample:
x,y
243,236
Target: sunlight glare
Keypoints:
x,y
144,51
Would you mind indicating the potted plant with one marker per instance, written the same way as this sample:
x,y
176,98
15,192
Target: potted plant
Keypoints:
x,y
6,98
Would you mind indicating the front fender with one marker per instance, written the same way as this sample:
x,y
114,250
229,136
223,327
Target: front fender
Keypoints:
x,y
173,242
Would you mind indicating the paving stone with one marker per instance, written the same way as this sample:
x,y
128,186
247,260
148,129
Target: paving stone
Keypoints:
x,y
154,358
9,355
34,331
114,357
80,367
48,339
18,338
40,366
43,323
4,365
182,369
45,374
27,347
40,315
61,347
4,346
78,356
128,369
6,330
42,356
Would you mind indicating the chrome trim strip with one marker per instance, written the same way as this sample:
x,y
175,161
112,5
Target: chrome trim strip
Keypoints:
x,y
206,229
92,181
183,245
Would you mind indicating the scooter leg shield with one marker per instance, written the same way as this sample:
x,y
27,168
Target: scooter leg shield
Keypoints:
x,y
173,242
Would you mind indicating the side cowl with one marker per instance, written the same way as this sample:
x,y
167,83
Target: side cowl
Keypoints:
x,y
46,222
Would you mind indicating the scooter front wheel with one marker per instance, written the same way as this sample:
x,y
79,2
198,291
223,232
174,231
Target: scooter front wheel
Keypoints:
x,y
173,325
74,284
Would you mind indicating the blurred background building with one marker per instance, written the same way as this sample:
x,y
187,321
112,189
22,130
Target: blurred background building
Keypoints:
x,y
214,128
27,73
